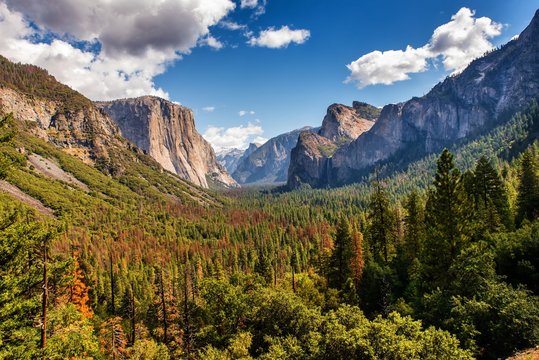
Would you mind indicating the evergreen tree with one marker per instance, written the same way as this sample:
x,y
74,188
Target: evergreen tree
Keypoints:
x,y
487,189
382,224
414,224
340,270
528,189
447,220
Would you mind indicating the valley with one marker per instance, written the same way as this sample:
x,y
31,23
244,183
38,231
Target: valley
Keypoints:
x,y
409,231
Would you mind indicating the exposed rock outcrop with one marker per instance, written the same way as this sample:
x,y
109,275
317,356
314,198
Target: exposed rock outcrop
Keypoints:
x,y
232,157
83,131
166,131
311,158
269,163
344,124
485,94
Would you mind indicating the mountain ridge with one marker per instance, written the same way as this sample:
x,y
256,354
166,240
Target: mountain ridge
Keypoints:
x,y
486,93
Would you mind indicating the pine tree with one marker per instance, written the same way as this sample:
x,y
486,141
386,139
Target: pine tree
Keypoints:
x,y
357,262
447,219
341,257
5,136
382,228
528,189
487,189
414,224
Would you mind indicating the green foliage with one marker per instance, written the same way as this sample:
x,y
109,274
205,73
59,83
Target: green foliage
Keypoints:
x,y
447,221
517,256
528,189
251,273
148,349
22,242
36,82
71,335
342,254
382,226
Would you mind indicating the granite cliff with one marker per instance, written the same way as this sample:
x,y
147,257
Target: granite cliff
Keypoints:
x,y
166,131
269,163
232,157
482,96
342,124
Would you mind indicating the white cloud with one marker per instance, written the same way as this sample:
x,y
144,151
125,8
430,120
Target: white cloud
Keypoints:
x,y
209,108
238,137
251,4
457,43
211,42
231,25
258,6
246,112
279,38
133,40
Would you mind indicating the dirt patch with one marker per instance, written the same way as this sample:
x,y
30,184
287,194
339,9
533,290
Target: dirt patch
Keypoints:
x,y
51,170
25,198
530,354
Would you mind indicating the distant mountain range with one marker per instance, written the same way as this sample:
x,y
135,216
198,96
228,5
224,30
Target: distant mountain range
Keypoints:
x,y
230,158
351,142
268,163
463,106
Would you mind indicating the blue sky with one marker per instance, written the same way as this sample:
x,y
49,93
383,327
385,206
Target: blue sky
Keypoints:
x,y
292,87
286,88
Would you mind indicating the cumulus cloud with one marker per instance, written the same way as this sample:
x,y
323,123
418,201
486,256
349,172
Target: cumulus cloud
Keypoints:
x,y
128,42
208,109
456,43
246,112
279,38
211,42
238,137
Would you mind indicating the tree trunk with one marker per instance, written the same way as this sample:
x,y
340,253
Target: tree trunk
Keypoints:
x,y
45,299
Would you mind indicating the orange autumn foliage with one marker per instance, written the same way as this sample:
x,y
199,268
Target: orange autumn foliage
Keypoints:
x,y
79,291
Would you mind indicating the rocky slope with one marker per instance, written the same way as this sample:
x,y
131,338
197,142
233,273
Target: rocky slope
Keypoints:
x,y
166,131
269,163
231,158
342,124
485,94
57,114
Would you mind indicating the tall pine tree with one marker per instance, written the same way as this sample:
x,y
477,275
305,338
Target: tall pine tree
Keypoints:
x,y
382,228
341,257
447,220
528,189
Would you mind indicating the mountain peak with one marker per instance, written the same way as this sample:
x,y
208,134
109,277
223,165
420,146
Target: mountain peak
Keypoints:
x,y
344,122
532,30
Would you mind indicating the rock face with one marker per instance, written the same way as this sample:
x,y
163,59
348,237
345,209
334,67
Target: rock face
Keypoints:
x,y
485,94
269,163
166,131
343,123
83,131
231,158
310,159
